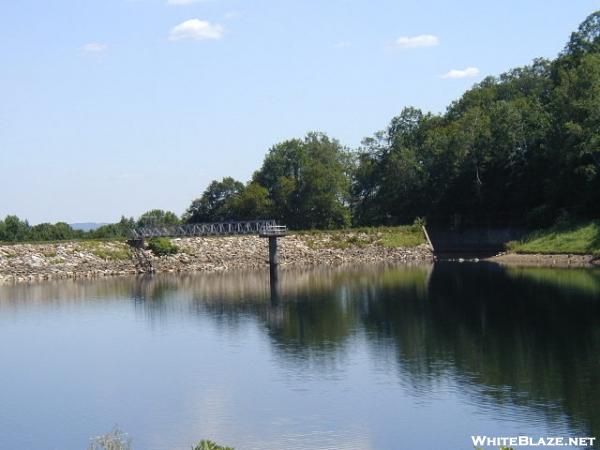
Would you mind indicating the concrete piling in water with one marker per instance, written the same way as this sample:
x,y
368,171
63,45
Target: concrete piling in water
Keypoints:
x,y
272,232
273,256
273,260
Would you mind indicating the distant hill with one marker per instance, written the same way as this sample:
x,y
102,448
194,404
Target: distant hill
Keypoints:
x,y
86,226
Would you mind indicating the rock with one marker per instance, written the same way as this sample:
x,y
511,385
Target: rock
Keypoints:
x,y
22,262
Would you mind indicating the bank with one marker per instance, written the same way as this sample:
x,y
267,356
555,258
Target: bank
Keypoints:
x,y
89,259
568,244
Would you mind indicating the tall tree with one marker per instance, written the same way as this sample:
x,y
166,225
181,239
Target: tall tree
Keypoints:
x,y
215,203
308,182
252,203
13,229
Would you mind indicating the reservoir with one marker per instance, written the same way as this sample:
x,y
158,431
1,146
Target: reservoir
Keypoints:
x,y
383,357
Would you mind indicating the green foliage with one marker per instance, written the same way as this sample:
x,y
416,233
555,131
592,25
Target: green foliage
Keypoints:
x,y
303,183
209,445
526,141
157,217
13,229
57,232
579,238
403,237
162,247
216,202
252,202
308,182
587,37
118,230
392,237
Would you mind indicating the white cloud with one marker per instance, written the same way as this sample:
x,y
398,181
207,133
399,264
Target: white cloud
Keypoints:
x,y
182,2
423,40
469,72
197,30
95,47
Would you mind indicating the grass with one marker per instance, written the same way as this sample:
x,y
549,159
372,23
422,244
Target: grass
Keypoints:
x,y
117,251
409,236
579,238
63,241
393,237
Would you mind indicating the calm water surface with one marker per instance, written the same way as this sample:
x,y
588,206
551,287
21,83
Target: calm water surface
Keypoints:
x,y
381,358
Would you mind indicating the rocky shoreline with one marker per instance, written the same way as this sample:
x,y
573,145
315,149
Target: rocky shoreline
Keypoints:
x,y
92,259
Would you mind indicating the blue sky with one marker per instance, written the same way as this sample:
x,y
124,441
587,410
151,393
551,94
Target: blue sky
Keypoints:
x,y
111,107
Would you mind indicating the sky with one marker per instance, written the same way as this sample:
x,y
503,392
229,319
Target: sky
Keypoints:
x,y
115,107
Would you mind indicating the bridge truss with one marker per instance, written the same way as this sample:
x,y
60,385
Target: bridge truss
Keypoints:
x,y
260,227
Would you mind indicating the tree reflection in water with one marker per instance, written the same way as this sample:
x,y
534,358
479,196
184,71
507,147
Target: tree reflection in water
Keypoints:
x,y
512,338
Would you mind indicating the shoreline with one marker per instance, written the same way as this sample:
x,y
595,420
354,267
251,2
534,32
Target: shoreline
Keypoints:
x,y
22,263
546,260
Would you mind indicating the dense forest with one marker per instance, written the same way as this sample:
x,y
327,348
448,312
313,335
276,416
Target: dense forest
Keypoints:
x,y
521,148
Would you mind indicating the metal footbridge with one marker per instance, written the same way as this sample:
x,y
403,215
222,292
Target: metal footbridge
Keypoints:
x,y
263,228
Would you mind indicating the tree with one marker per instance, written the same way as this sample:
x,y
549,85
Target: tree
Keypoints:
x,y
57,232
216,202
157,217
13,229
308,182
393,171
575,141
252,203
587,37
120,229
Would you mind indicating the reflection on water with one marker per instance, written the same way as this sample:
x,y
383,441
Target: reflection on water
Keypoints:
x,y
349,358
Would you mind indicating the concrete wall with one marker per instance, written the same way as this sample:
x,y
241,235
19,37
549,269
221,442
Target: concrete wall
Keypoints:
x,y
472,240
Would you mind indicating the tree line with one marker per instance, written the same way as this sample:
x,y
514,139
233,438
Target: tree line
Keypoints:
x,y
522,147
13,229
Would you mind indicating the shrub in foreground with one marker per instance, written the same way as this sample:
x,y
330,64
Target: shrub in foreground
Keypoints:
x,y
162,247
115,440
209,445
118,440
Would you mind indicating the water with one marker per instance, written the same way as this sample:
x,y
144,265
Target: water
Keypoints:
x,y
380,358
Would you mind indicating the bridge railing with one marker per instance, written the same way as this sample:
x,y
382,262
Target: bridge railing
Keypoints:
x,y
203,229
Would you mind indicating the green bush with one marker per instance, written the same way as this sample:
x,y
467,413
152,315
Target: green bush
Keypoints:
x,y
209,445
162,247
115,440
118,440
